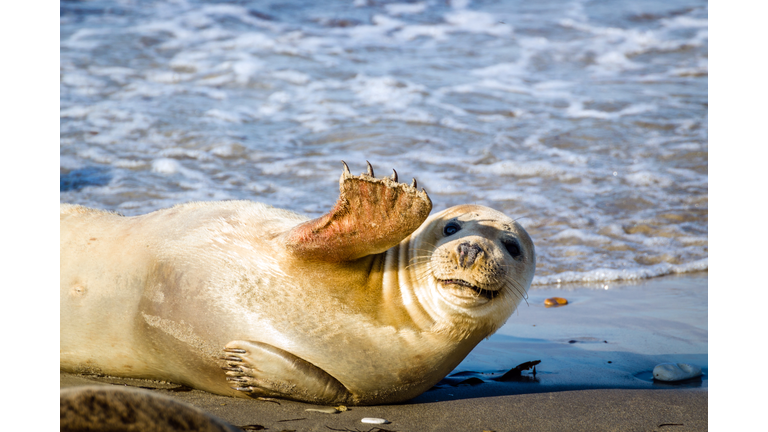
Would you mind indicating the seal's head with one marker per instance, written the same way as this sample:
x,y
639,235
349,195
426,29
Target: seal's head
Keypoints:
x,y
473,265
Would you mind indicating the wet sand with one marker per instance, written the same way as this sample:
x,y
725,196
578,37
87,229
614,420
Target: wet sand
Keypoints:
x,y
577,410
596,356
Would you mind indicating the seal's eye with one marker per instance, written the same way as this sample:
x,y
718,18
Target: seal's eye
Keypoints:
x,y
451,229
512,247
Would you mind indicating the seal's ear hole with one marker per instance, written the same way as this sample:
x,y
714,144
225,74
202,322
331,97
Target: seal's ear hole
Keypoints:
x,y
512,247
451,228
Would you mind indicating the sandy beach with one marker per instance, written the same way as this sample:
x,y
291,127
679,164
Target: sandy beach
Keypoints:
x,y
596,356
575,410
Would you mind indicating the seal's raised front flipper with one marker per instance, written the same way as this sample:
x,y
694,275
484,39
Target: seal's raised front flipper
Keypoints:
x,y
262,370
371,216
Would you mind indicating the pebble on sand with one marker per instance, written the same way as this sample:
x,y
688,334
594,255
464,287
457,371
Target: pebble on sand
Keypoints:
x,y
374,420
555,302
675,371
327,410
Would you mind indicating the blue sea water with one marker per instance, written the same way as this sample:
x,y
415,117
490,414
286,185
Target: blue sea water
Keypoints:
x,y
609,338
586,120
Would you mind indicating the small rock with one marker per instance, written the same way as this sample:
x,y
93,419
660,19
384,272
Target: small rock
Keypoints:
x,y
555,302
374,420
327,410
675,371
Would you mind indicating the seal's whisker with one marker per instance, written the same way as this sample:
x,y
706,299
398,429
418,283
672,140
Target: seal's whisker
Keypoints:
x,y
523,294
429,248
417,263
419,259
422,276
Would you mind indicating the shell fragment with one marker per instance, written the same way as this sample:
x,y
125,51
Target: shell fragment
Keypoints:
x,y
327,410
675,371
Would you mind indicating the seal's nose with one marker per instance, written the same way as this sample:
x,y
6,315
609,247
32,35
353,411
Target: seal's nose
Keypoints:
x,y
468,253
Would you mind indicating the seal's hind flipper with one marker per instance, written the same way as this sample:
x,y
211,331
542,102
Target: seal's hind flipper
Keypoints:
x,y
262,370
371,215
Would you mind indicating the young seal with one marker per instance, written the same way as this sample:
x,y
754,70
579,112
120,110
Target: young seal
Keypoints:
x,y
364,305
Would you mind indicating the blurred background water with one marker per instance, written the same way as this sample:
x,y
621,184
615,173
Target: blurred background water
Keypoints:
x,y
585,120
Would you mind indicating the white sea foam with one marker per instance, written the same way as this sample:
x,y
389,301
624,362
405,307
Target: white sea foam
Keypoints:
x,y
291,76
566,156
607,275
405,8
647,178
527,168
75,112
576,109
685,22
456,125
226,116
165,166
532,199
500,70
96,155
477,22
412,32
85,39
182,153
581,236
386,92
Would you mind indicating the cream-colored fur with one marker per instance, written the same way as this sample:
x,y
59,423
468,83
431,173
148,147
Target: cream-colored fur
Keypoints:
x,y
159,295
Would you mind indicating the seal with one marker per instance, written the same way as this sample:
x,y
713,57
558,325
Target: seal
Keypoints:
x,y
371,303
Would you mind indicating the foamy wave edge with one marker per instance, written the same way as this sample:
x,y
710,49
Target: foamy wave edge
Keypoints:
x,y
609,275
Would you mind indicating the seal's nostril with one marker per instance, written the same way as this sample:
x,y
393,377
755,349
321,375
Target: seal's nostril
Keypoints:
x,y
468,253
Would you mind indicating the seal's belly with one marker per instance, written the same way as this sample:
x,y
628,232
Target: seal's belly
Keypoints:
x,y
99,295
361,353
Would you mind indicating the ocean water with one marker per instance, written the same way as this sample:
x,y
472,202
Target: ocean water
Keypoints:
x,y
585,120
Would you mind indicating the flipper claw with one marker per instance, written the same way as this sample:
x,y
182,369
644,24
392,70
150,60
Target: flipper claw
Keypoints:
x,y
237,379
371,215
235,350
232,358
268,371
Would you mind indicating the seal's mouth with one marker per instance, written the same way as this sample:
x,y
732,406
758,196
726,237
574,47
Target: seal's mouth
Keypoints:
x,y
462,288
